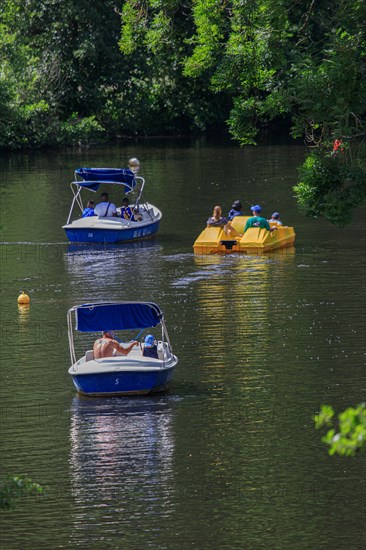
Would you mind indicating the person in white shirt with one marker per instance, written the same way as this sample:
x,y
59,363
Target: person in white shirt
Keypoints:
x,y
105,208
275,218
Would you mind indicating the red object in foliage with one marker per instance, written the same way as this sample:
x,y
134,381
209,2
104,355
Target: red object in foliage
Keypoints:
x,y
337,144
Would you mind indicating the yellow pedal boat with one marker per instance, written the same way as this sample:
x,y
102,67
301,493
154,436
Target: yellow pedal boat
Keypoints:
x,y
215,240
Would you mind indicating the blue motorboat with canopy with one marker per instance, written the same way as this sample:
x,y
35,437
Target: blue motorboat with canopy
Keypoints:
x,y
143,223
120,374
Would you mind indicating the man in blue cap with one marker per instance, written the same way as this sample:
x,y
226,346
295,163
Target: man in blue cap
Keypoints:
x,y
257,220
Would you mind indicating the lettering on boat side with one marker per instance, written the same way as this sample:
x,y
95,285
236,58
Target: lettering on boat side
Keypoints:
x,y
116,382
90,234
142,232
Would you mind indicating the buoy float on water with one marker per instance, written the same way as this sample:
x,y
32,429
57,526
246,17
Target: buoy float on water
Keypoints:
x,y
23,298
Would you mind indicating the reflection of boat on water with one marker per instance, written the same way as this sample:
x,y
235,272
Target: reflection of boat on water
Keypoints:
x,y
120,374
121,455
143,222
279,254
214,240
80,248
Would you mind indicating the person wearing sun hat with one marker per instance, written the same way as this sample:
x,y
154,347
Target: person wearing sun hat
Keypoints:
x,y
150,349
257,220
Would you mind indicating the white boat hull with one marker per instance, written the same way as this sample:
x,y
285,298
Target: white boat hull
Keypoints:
x,y
122,375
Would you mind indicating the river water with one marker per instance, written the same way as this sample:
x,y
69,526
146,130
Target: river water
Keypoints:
x,y
229,457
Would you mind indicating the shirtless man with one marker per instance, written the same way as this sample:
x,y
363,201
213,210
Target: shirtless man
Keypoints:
x,y
105,346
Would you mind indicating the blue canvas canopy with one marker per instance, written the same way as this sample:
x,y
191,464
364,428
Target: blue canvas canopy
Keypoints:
x,y
94,177
117,316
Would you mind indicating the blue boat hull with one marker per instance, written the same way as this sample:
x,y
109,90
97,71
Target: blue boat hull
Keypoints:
x,y
88,235
122,383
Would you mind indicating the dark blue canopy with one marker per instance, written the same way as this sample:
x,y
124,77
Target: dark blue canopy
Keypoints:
x,y
93,177
117,316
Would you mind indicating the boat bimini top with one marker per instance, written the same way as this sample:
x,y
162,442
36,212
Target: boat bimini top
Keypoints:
x,y
92,178
114,315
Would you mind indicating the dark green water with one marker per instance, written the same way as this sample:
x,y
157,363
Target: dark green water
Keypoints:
x,y
229,458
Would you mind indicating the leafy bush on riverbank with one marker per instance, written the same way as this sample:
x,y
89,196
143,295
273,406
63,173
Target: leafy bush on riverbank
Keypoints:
x,y
331,186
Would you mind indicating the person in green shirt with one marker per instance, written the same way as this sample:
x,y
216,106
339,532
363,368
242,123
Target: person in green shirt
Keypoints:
x,y
257,220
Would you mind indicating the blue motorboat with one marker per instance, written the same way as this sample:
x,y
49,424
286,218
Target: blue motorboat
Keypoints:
x,y
120,374
143,224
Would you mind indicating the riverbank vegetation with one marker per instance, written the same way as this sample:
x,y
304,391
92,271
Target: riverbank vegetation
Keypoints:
x,y
75,73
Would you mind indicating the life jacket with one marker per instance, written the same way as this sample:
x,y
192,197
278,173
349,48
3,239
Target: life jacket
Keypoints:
x,y
126,213
87,212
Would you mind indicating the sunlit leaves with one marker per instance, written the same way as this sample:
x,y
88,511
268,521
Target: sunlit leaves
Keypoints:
x,y
350,435
148,24
14,488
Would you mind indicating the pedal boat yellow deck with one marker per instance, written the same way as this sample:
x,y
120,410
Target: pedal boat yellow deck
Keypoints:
x,y
214,240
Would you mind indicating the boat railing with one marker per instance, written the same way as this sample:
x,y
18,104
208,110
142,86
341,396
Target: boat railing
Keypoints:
x,y
76,188
164,343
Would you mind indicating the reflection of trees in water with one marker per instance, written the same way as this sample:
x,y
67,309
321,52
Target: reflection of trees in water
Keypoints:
x,y
120,462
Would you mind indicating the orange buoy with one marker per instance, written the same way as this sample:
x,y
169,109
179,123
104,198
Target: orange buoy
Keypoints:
x,y
23,298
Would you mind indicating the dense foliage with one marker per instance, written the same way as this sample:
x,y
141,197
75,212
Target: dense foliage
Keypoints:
x,y
14,488
351,434
71,74
63,78
302,61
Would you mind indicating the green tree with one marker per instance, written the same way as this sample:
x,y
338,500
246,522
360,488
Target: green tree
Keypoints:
x,y
61,69
302,61
350,435
156,35
64,80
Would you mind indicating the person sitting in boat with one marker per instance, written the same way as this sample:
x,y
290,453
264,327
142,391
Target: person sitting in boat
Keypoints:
x,y
257,220
275,218
126,212
88,210
216,220
235,210
149,348
134,165
137,216
105,208
107,346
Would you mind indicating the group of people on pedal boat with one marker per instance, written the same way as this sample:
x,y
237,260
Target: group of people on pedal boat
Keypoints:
x,y
256,220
